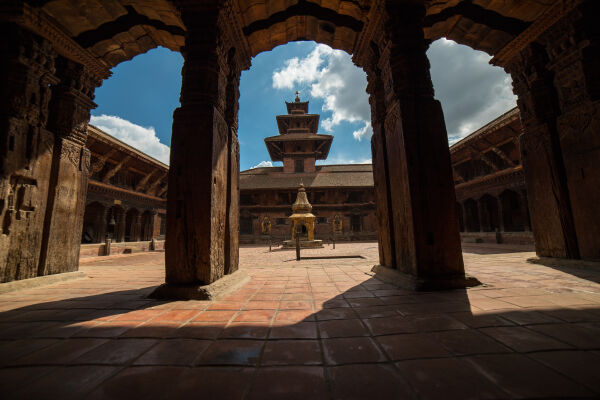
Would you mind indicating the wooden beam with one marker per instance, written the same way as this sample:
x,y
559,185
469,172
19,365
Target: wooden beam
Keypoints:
x,y
111,172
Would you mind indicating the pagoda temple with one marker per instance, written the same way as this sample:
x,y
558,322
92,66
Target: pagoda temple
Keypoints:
x,y
298,144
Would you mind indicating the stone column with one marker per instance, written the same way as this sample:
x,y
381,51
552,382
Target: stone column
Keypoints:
x,y
426,241
545,177
573,47
68,118
26,149
200,156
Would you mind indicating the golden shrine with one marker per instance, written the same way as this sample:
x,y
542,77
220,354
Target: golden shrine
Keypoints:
x,y
303,222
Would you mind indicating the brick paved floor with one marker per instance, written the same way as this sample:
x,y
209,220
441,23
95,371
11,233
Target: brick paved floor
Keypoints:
x,y
315,329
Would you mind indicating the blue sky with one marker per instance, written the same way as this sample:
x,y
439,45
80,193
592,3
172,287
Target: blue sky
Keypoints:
x,y
136,104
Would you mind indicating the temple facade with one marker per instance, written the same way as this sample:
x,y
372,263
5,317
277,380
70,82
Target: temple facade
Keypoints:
x,y
337,192
126,196
488,176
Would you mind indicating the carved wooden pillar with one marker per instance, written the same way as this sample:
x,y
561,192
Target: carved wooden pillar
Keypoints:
x,y
136,228
573,48
524,209
198,173
120,223
383,203
100,224
68,118
481,213
426,239
549,202
501,212
232,226
461,216
26,149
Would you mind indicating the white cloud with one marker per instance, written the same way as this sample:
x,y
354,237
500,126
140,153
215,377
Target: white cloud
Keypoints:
x,y
472,92
333,77
342,159
142,138
365,132
263,164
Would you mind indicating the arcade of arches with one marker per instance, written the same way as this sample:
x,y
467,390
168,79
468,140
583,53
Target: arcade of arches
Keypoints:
x,y
60,51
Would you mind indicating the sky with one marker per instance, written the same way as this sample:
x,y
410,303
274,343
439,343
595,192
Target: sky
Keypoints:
x,y
136,104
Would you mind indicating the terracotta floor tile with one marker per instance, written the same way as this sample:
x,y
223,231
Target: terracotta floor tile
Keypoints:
x,y
62,352
257,316
448,378
525,378
245,330
365,302
261,305
410,346
138,315
214,316
199,330
351,350
368,382
523,339
293,383
295,305
581,335
386,326
297,297
13,349
14,379
376,312
336,313
214,383
232,352
299,330
176,316
144,382
335,303
67,382
292,316
173,352
432,322
292,352
342,328
482,320
579,366
464,342
226,305
116,352
153,330
107,329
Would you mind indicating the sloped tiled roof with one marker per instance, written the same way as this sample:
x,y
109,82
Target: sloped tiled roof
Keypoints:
x,y
326,176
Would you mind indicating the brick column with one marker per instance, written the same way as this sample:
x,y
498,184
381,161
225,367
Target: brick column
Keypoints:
x,y
201,160
426,240
69,115
26,149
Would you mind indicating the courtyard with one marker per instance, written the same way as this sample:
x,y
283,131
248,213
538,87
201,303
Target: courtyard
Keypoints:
x,y
319,328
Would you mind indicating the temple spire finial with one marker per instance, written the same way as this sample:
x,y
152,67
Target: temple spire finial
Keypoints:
x,y
297,100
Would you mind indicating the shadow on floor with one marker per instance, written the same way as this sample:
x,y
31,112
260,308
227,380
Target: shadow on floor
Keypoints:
x,y
366,340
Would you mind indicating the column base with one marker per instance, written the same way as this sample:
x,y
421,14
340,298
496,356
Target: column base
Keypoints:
x,y
222,287
410,282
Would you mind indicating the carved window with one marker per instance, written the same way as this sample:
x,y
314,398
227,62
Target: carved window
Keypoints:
x,y
299,166
321,220
281,221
